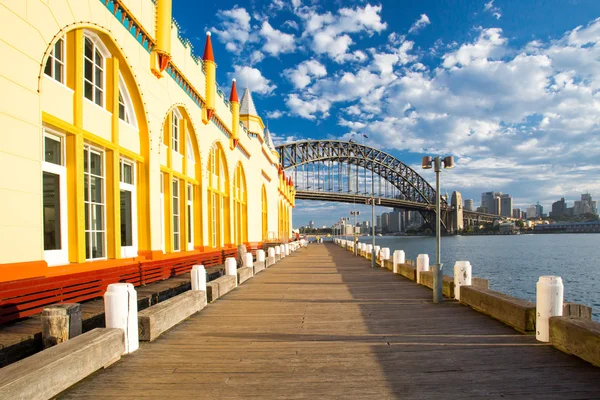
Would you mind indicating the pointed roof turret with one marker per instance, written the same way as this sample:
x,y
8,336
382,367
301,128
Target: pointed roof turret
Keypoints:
x,y
268,138
247,105
233,96
208,50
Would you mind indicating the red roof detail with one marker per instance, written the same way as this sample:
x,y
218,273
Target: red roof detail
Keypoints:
x,y
233,97
208,50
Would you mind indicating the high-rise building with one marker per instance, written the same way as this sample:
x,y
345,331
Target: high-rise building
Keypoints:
x,y
469,205
506,205
378,221
497,205
559,208
311,224
585,206
531,212
395,222
539,210
385,222
517,213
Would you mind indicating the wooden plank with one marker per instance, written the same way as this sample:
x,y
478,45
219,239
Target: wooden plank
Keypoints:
x,y
322,324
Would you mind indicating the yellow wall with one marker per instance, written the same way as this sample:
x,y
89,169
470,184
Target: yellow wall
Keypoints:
x,y
27,33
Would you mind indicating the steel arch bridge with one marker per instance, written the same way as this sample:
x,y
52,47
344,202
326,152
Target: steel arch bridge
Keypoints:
x,y
349,172
334,170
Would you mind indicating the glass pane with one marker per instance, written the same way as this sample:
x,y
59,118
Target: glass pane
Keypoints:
x,y
99,59
95,164
51,184
58,49
98,245
175,206
96,192
86,188
98,77
126,219
189,210
88,70
52,150
88,236
175,188
89,48
127,174
176,224
176,242
58,71
48,67
99,97
97,217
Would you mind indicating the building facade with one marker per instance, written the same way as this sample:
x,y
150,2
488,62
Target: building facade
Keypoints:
x,y
121,146
469,205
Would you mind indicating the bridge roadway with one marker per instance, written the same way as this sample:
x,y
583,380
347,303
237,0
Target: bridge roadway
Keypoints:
x,y
322,324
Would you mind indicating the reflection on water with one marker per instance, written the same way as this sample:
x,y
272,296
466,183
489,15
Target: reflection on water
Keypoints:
x,y
513,264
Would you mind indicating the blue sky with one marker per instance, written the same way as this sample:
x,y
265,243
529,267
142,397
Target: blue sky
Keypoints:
x,y
511,89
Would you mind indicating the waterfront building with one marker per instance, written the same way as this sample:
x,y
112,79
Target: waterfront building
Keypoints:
x,y
585,206
468,205
517,213
569,227
532,212
506,205
497,205
395,221
122,148
488,201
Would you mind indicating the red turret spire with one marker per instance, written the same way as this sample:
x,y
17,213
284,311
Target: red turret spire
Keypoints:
x,y
233,96
208,51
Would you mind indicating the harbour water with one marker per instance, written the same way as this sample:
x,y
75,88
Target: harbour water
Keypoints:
x,y
513,263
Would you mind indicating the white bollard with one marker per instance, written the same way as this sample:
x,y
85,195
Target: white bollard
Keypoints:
x,y
368,250
377,248
271,251
385,254
120,311
282,250
422,265
260,256
286,247
548,303
277,250
198,277
398,259
231,268
248,260
462,276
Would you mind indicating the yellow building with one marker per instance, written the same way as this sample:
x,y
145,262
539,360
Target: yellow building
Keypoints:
x,y
117,146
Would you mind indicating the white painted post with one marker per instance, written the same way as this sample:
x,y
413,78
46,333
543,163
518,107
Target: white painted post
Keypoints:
x,y
231,268
384,255
398,259
422,265
282,250
248,260
260,256
277,251
368,250
377,248
287,249
198,276
120,311
462,276
548,303
271,251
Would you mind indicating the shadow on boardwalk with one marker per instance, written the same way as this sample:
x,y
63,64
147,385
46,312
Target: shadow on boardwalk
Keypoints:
x,y
322,324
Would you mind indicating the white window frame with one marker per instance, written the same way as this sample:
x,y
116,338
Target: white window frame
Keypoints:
x,y
130,251
176,119
100,151
52,60
98,45
176,198
190,216
190,149
60,256
127,103
214,219
162,212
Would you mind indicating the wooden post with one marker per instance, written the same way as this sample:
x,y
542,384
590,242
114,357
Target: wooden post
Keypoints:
x,y
60,322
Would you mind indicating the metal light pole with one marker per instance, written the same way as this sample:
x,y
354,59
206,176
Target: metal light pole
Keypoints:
x,y
438,277
372,202
355,213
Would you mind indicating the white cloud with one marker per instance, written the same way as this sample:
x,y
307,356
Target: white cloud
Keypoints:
x,y
330,33
492,9
253,79
489,44
292,24
276,42
275,114
256,57
419,24
308,109
301,76
234,28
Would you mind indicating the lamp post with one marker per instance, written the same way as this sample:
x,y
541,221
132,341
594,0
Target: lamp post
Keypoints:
x,y
448,162
371,201
355,214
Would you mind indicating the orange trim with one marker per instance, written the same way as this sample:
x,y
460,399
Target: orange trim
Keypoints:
x,y
22,270
264,174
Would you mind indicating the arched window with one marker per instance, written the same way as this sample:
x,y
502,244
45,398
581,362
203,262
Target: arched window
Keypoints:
x,y
181,182
265,214
97,162
240,206
218,197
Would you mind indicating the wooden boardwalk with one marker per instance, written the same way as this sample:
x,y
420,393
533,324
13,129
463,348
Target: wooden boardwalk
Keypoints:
x,y
322,324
